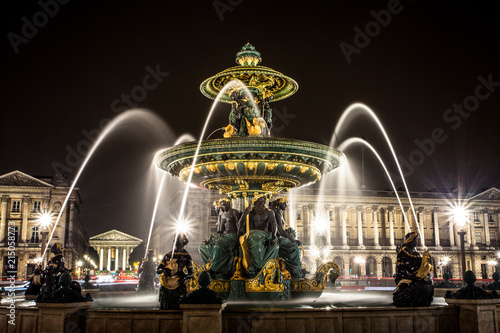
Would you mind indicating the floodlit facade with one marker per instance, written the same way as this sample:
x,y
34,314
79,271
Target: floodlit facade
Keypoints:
x,y
360,229
24,200
114,248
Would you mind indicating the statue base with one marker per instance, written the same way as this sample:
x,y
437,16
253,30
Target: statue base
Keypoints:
x,y
272,283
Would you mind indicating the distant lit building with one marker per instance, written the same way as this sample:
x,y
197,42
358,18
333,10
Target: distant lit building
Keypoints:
x,y
360,229
114,248
23,199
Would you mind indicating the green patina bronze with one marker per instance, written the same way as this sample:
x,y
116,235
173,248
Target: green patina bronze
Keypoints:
x,y
247,163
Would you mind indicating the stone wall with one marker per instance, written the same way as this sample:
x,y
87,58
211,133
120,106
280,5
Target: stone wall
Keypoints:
x,y
442,319
428,320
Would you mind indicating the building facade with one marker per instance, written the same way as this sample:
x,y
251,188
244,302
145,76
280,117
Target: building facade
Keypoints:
x,y
114,248
360,229
23,199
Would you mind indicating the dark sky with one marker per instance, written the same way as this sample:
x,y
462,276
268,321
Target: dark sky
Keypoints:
x,y
63,79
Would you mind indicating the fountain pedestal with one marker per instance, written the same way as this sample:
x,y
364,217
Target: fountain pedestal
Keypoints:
x,y
477,315
202,317
62,317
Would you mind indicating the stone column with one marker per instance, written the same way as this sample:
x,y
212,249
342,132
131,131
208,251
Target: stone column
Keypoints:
x,y
486,228
421,225
452,234
3,221
359,211
390,212
109,259
117,257
25,209
471,237
311,226
435,216
375,227
362,269
344,227
407,218
306,224
328,225
124,260
378,262
101,258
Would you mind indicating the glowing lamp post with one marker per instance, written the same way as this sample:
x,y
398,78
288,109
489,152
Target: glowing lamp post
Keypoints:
x,y
459,215
359,261
79,264
45,219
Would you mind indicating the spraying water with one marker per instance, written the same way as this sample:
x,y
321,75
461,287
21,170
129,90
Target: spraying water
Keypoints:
x,y
180,219
366,109
351,141
120,119
154,210
182,138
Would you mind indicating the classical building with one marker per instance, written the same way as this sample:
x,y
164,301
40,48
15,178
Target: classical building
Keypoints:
x,y
114,248
360,229
23,200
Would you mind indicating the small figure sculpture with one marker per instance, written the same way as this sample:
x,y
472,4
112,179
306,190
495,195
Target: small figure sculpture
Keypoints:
x,y
174,281
259,243
218,254
203,295
35,282
267,112
289,248
495,285
67,291
244,118
87,284
413,281
147,274
446,283
51,274
470,291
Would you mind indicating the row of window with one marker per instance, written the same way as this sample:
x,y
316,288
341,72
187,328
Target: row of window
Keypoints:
x,y
476,215
16,206
35,234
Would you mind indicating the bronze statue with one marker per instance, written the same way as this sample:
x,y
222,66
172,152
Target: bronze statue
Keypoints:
x,y
219,252
413,280
35,282
174,281
446,282
259,242
87,284
51,274
495,285
289,248
147,274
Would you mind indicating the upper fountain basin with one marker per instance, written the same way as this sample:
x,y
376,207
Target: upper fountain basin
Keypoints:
x,y
250,164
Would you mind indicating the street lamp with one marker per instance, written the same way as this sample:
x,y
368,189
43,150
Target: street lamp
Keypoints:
x,y
45,219
360,261
79,263
459,214
443,262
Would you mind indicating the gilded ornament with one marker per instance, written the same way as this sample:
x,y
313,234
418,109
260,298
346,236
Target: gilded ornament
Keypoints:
x,y
264,281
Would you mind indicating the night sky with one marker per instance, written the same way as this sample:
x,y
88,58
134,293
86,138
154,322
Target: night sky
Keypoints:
x,y
429,70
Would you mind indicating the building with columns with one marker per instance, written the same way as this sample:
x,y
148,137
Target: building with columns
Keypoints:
x,y
23,199
360,229
114,248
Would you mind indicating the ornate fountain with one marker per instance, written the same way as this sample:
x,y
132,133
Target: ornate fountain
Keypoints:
x,y
248,164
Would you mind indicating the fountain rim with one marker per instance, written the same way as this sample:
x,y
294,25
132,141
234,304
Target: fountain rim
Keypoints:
x,y
291,83
160,156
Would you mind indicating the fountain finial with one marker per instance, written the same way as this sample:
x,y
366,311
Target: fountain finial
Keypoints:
x,y
248,56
